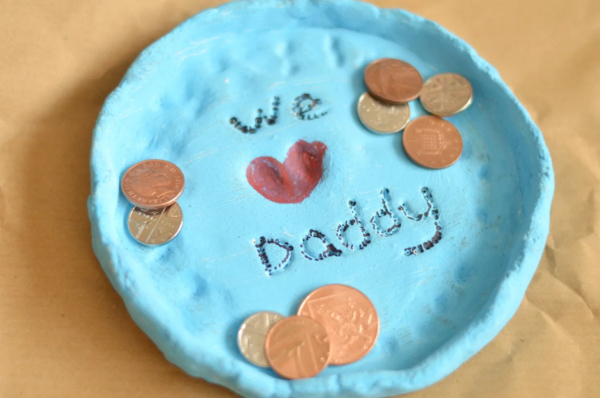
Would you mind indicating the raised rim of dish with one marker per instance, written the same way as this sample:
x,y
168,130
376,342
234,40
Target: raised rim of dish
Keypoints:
x,y
227,370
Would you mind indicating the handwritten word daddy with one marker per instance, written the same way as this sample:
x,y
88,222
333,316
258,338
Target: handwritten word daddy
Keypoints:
x,y
330,250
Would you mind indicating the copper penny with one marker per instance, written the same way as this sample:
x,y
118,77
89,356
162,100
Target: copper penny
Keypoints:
x,y
432,142
348,316
446,94
297,347
393,81
153,184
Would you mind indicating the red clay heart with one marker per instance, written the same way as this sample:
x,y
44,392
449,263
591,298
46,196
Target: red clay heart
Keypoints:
x,y
294,180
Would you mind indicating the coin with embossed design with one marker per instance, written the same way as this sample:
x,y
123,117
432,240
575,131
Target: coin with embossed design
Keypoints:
x,y
297,347
381,117
155,226
253,333
348,316
153,184
446,94
392,80
432,142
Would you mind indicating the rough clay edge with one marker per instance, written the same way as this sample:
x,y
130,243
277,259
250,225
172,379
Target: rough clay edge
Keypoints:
x,y
497,312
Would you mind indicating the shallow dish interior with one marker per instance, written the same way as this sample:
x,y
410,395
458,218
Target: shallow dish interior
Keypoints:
x,y
436,308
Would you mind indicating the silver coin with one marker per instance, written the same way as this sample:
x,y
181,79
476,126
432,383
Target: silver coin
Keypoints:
x,y
155,226
252,336
381,117
446,94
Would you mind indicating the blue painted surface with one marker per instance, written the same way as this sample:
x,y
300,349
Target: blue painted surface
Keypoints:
x,y
436,309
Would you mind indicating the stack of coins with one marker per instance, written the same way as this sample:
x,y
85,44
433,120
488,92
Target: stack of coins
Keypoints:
x,y
428,140
335,325
153,187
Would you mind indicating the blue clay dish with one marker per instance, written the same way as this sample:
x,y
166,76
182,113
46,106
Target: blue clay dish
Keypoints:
x,y
301,62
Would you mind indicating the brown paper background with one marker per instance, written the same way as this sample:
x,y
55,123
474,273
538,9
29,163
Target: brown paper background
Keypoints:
x,y
64,331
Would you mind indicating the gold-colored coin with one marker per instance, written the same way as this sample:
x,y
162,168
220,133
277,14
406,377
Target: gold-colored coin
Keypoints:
x,y
381,117
446,94
155,226
253,334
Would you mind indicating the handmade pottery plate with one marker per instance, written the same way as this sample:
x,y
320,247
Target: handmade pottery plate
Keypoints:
x,y
448,255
